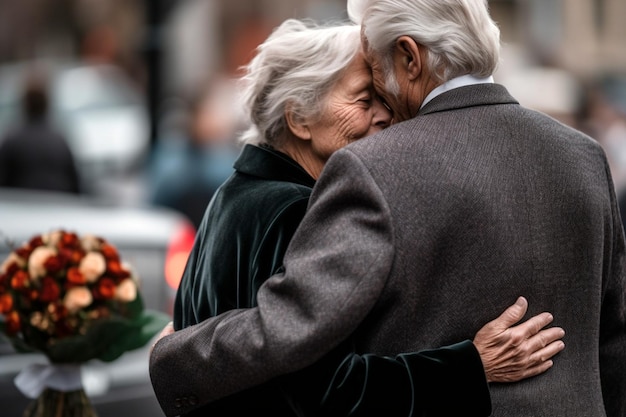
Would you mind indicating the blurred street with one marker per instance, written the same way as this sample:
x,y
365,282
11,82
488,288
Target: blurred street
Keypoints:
x,y
129,78
143,94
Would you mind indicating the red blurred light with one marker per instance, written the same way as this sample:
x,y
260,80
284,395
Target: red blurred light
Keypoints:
x,y
177,254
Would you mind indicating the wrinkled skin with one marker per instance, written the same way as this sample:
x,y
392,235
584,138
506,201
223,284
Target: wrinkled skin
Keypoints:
x,y
511,353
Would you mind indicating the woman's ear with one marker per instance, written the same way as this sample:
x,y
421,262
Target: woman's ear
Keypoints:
x,y
297,125
407,57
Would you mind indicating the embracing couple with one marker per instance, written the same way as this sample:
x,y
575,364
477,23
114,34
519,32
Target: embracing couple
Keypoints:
x,y
389,205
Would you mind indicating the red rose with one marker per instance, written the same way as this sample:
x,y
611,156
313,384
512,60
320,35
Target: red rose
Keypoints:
x,y
11,268
74,276
36,241
105,289
76,256
50,290
54,264
20,280
6,303
64,255
24,252
110,252
69,240
4,282
115,269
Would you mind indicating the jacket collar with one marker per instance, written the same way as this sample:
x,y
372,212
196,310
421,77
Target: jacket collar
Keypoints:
x,y
270,164
456,82
468,96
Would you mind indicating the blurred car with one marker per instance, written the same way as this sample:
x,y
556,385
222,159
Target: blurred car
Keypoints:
x,y
97,107
155,241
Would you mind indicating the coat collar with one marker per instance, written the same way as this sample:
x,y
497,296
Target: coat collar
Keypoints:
x,y
270,164
456,82
468,96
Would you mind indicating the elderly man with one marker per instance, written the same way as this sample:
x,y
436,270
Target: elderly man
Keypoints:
x,y
419,233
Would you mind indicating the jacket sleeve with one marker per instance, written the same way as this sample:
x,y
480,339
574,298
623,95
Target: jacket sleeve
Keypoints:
x,y
335,268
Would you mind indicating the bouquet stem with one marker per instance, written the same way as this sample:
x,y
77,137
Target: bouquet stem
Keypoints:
x,y
53,403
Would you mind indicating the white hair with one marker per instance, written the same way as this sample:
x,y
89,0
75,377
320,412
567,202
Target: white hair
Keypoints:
x,y
459,35
294,70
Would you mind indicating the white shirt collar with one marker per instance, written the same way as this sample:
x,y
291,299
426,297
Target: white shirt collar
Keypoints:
x,y
457,82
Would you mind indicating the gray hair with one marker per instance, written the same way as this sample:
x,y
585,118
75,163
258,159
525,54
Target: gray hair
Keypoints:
x,y
294,70
460,36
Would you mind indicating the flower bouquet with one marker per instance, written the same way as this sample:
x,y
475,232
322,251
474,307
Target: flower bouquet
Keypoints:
x,y
72,299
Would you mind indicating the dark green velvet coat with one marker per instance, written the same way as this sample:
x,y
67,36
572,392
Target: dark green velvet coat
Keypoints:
x,y
240,243
243,235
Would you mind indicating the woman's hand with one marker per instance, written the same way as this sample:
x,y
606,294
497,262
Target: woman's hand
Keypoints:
x,y
511,354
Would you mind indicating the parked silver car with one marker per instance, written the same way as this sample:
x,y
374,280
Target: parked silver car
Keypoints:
x,y
155,241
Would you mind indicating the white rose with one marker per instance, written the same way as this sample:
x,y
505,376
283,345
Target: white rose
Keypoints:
x,y
52,238
38,257
77,298
92,266
90,242
126,291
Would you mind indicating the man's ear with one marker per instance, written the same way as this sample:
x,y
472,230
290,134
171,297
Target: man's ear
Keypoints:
x,y
297,125
407,57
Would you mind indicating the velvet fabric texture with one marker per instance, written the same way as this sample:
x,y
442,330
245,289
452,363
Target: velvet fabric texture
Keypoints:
x,y
243,236
240,243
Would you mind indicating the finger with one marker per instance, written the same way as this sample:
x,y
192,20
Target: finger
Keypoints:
x,y
167,330
538,369
547,352
533,325
511,315
545,337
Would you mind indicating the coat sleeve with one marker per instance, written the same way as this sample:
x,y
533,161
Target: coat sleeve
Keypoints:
x,y
445,381
335,269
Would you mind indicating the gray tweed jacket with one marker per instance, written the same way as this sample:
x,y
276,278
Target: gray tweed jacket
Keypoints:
x,y
416,237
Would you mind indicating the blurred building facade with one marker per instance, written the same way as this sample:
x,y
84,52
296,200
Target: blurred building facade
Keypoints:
x,y
585,37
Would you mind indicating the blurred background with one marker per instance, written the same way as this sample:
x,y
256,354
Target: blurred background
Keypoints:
x,y
141,89
125,112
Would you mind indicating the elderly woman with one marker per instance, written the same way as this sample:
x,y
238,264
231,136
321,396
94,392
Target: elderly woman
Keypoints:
x,y
309,92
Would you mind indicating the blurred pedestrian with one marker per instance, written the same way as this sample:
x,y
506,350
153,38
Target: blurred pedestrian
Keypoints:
x,y
35,155
193,159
